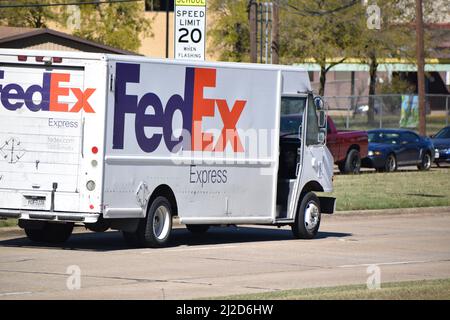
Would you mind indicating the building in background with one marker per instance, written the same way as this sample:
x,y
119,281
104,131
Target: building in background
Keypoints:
x,y
49,39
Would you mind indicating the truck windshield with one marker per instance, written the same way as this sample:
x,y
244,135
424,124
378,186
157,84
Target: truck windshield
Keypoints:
x,y
292,109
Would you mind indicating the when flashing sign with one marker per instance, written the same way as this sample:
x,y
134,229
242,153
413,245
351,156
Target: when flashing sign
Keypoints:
x,y
190,21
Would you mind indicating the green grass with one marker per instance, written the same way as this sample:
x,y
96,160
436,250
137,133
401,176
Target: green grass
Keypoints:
x,y
8,223
411,290
401,189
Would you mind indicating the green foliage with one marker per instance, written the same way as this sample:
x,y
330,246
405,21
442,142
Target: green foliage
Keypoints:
x,y
319,37
397,85
34,17
118,24
230,32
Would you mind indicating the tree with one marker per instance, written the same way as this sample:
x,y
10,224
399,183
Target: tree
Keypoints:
x,y
380,34
31,17
317,31
115,24
230,32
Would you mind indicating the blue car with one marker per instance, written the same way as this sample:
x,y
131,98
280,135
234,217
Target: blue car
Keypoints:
x,y
441,141
392,148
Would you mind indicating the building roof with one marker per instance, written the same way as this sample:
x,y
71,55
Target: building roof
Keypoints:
x,y
17,37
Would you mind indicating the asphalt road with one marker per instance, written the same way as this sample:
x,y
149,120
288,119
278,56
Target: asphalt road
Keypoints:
x,y
229,260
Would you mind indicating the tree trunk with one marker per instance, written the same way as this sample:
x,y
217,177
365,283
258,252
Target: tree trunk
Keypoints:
x,y
323,79
372,89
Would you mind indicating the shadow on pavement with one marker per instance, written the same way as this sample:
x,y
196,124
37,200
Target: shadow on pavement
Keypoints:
x,y
112,240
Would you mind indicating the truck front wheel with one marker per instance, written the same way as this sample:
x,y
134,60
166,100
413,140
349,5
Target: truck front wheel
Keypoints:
x,y
307,220
51,233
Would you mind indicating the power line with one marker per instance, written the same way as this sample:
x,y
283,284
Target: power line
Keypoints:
x,y
36,5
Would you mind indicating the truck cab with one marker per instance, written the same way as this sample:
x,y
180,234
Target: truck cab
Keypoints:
x,y
305,164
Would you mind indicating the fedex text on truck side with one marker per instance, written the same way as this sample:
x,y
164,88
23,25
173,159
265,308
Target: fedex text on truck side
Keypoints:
x,y
193,107
13,96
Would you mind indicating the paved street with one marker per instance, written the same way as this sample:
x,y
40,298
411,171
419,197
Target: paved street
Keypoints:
x,y
227,261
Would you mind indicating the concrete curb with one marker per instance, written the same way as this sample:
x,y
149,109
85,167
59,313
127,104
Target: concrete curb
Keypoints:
x,y
396,211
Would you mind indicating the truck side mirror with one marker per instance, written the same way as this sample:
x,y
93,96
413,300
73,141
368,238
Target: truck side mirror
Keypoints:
x,y
322,119
318,102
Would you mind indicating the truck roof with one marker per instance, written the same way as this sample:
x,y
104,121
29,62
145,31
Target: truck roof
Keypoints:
x,y
106,57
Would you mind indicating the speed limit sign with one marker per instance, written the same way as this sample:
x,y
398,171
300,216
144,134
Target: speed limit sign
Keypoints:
x,y
190,21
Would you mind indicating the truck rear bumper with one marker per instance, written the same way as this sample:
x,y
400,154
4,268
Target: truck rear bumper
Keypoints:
x,y
50,216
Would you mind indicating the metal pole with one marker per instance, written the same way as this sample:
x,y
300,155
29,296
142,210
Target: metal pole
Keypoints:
x,y
275,31
347,120
261,23
271,31
253,32
266,44
167,28
420,68
446,110
381,114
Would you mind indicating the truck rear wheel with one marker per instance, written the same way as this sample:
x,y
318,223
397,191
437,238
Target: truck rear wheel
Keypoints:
x,y
51,233
197,228
307,220
154,231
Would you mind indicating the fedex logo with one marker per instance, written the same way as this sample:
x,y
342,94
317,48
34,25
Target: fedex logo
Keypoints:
x,y
13,96
193,106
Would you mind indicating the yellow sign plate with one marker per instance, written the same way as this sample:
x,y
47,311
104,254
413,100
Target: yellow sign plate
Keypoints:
x,y
189,3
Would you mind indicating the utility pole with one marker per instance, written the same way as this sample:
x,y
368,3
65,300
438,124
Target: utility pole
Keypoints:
x,y
420,68
252,6
275,32
167,28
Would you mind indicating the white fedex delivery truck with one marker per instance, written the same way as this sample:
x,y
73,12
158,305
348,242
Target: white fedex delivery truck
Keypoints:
x,y
128,143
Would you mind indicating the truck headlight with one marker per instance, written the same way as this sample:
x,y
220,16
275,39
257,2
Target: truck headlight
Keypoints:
x,y
90,185
370,153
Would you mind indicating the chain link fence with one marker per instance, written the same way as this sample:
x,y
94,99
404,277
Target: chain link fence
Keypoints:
x,y
389,111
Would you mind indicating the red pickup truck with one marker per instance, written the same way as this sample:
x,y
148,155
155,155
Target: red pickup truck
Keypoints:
x,y
347,147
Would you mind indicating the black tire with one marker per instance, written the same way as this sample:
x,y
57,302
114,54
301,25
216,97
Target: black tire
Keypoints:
x,y
425,163
100,226
391,163
341,166
352,162
305,228
154,231
197,228
51,233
